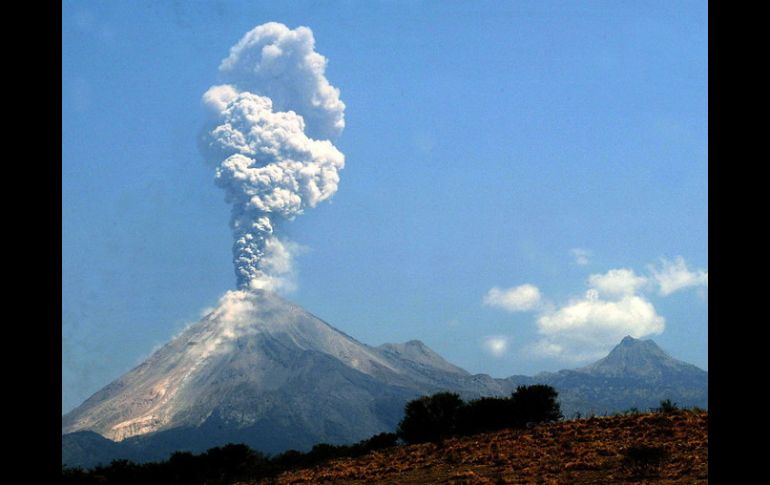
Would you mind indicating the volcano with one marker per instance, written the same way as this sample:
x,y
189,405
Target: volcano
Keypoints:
x,y
264,371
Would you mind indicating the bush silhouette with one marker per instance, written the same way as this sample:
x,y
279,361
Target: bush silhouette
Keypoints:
x,y
430,418
486,414
221,465
183,467
232,461
377,442
287,460
535,404
666,406
644,461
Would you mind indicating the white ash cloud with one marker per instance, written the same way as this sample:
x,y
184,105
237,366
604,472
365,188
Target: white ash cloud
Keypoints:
x,y
268,138
282,64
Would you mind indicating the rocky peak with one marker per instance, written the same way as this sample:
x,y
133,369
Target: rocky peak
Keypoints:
x,y
636,357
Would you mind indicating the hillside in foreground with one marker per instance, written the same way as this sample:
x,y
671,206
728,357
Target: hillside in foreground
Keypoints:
x,y
620,449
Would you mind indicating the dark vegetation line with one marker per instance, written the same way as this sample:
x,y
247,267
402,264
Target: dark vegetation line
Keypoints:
x,y
426,419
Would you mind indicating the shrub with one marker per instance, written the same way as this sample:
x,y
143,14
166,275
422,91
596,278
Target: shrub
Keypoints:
x,y
644,461
430,418
535,404
666,406
486,414
287,460
324,451
378,442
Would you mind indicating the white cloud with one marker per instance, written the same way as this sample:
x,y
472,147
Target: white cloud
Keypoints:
x,y
585,328
588,327
581,256
495,344
673,276
614,305
631,315
617,282
517,299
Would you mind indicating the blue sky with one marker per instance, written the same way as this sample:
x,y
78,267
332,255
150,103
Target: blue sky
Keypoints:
x,y
485,143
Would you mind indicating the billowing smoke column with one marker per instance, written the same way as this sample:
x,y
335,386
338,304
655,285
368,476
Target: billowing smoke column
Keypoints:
x,y
269,140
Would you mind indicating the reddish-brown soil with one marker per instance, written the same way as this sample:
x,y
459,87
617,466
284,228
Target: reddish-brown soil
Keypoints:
x,y
583,451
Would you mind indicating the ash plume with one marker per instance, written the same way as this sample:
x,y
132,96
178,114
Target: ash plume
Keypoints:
x,y
272,119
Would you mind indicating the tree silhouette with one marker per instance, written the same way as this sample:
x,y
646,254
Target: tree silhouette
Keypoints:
x,y
430,418
535,404
486,414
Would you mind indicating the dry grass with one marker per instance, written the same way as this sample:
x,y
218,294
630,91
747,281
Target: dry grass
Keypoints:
x,y
569,452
